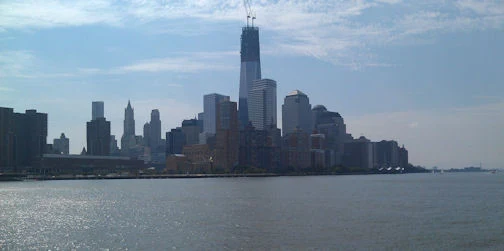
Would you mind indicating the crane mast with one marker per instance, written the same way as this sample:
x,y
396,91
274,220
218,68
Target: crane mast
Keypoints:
x,y
248,10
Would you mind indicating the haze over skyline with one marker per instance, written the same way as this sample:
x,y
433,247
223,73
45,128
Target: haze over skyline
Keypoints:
x,y
427,74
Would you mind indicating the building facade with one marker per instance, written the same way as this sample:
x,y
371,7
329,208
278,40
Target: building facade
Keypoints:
x,y
175,141
250,68
296,113
227,136
128,140
262,104
97,110
296,151
7,138
358,153
155,130
62,145
191,130
210,103
98,137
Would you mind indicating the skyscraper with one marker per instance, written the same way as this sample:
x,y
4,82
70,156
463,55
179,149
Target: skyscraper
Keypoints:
x,y
250,68
296,113
155,130
128,139
175,141
262,104
227,136
210,102
97,110
98,132
98,137
332,125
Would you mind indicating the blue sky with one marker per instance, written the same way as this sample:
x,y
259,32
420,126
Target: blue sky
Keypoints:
x,y
428,74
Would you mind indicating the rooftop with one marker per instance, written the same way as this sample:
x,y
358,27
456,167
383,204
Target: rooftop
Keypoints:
x,y
296,93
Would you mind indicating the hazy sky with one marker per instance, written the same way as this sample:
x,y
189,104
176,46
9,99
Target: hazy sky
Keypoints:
x,y
428,74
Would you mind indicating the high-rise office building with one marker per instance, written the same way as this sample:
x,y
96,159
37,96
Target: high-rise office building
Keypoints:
x,y
262,104
155,130
147,134
210,102
62,145
98,137
128,138
227,136
191,129
175,141
332,125
296,113
250,68
97,110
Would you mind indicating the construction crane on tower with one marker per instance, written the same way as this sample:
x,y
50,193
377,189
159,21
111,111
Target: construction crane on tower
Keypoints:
x,y
250,13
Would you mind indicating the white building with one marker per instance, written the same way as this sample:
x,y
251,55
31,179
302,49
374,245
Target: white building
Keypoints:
x,y
210,102
296,113
262,104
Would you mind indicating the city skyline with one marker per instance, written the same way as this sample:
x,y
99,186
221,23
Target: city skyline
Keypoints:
x,y
435,88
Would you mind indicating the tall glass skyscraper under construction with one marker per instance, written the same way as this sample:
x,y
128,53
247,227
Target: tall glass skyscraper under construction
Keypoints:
x,y
250,68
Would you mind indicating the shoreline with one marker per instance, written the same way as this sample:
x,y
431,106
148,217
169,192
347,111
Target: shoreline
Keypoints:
x,y
187,176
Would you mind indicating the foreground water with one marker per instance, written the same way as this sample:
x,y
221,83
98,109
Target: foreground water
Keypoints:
x,y
421,212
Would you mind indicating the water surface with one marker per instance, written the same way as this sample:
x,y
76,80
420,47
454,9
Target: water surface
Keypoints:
x,y
420,211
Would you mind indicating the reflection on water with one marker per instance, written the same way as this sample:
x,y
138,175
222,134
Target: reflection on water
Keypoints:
x,y
424,211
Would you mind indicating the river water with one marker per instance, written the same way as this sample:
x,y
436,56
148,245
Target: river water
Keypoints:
x,y
363,212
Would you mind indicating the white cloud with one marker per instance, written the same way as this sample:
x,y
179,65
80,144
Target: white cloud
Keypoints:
x,y
189,62
446,138
334,31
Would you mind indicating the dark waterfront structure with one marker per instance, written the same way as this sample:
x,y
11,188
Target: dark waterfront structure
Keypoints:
x,y
175,141
23,138
403,157
30,136
227,136
98,137
260,148
296,151
386,154
55,164
6,138
358,153
250,69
